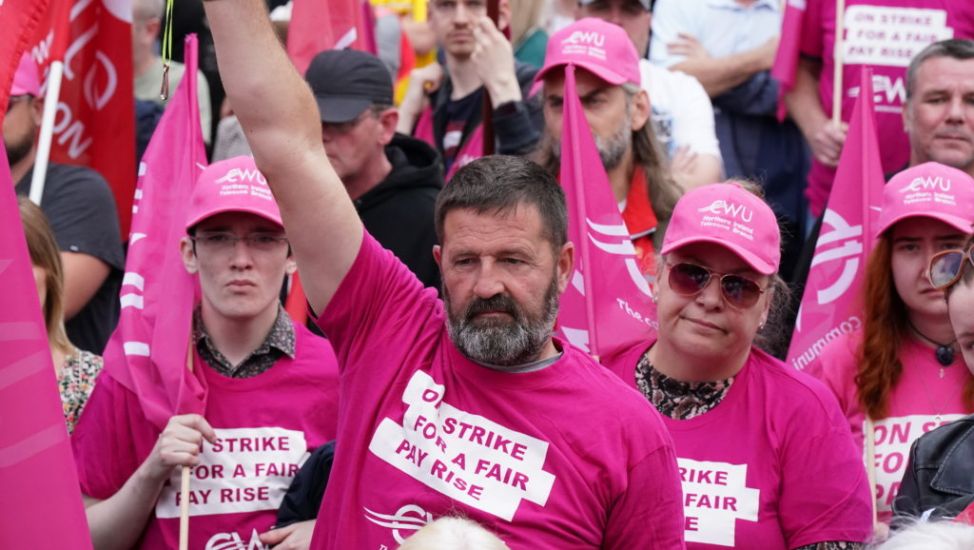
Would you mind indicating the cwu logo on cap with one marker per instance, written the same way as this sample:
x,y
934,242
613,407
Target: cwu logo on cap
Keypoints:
x,y
927,184
238,175
589,38
721,207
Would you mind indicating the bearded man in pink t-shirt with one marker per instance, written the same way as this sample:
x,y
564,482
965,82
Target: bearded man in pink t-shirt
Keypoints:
x,y
467,406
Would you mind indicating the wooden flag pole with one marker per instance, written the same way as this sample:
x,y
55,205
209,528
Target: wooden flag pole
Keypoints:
x,y
838,56
493,11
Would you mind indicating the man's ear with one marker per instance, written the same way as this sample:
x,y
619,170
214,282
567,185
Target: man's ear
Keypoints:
x,y
641,110
290,266
388,120
438,255
189,255
37,110
566,265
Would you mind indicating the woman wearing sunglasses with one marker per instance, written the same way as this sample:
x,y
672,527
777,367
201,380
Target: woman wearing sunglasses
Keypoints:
x,y
900,375
938,482
766,458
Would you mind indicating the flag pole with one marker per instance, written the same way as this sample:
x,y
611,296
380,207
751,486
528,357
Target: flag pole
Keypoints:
x,y
184,479
43,157
839,59
487,123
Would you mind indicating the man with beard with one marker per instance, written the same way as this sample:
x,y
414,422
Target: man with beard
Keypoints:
x,y
468,405
79,204
618,112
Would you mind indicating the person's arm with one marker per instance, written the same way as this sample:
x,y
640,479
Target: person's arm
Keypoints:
x,y
805,107
422,81
118,521
697,159
757,96
280,118
720,74
83,276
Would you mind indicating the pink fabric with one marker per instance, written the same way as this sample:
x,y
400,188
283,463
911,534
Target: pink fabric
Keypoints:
x,y
914,404
424,127
786,58
471,150
20,19
931,190
609,305
830,305
773,466
728,215
232,185
147,351
36,470
265,424
565,457
318,25
597,46
883,35
26,80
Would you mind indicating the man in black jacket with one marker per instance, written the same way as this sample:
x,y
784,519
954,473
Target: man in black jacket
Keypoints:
x,y
393,179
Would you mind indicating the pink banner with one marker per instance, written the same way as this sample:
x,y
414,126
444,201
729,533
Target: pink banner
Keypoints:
x,y
831,304
147,352
319,25
41,505
23,16
786,58
608,301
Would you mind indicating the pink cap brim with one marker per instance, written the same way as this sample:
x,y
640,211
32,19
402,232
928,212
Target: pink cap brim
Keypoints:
x,y
232,208
611,77
961,224
756,263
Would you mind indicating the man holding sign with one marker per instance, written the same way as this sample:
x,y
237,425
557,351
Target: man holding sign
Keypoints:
x,y
467,405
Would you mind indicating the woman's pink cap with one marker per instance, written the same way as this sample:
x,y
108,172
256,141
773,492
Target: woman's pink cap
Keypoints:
x,y
232,185
730,216
929,190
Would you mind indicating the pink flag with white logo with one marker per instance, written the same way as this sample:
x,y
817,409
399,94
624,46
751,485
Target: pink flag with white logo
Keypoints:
x,y
786,59
319,25
608,301
831,306
147,351
41,501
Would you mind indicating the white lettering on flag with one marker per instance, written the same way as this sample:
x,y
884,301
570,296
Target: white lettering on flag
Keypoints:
x,y
715,496
462,455
246,470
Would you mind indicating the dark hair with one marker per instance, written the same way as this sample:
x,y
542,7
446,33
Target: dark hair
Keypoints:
x,y
499,184
953,48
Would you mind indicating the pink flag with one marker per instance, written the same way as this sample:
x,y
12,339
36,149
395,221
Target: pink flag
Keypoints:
x,y
830,306
607,303
20,19
41,501
319,25
147,352
786,59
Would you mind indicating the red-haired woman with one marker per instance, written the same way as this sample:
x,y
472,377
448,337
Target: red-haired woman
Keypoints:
x,y
901,375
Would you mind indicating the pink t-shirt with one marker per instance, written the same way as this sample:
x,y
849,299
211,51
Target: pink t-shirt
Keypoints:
x,y
883,35
566,457
919,398
266,426
772,466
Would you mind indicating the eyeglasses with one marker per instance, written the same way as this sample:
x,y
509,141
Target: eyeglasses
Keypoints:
x,y
14,99
449,7
690,279
224,243
946,267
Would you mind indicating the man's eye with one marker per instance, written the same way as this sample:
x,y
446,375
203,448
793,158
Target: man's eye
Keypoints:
x,y
218,238
263,239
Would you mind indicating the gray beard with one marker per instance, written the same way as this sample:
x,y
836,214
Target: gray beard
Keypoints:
x,y
505,344
611,150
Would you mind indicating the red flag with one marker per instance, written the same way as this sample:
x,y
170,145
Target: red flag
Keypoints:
x,y
22,16
38,481
94,125
830,304
607,304
786,58
147,351
318,25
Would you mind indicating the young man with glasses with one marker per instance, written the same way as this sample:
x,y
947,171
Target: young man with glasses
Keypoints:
x,y
271,390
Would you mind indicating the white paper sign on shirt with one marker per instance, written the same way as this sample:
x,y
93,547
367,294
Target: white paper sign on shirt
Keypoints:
x,y
880,35
715,496
893,437
246,470
464,456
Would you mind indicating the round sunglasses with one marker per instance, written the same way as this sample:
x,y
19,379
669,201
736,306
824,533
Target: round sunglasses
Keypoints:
x,y
688,279
946,267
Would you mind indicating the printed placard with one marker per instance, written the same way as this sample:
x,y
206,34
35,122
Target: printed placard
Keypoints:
x,y
715,496
893,437
464,456
880,35
246,470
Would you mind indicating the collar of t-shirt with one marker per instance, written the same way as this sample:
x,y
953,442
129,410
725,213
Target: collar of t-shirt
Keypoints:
x,y
640,220
280,341
533,366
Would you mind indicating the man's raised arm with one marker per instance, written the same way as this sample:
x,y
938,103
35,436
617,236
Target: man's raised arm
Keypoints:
x,y
280,119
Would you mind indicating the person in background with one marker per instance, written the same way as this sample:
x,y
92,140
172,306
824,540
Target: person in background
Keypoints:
x,y
765,455
527,33
900,372
76,369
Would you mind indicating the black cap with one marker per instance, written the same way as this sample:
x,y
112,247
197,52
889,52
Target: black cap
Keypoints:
x,y
346,82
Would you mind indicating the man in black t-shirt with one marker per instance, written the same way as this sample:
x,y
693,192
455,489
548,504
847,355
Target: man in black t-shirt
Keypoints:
x,y
81,209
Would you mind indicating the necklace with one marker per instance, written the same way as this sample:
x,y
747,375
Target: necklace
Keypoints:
x,y
944,352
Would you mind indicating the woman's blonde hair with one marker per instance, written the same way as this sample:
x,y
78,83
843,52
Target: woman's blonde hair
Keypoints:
x,y
525,16
453,533
44,253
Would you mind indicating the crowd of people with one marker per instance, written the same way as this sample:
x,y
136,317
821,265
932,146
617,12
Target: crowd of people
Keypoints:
x,y
428,402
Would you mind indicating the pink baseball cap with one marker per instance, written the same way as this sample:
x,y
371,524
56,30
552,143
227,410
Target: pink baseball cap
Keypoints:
x,y
728,215
26,79
600,47
232,185
930,190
